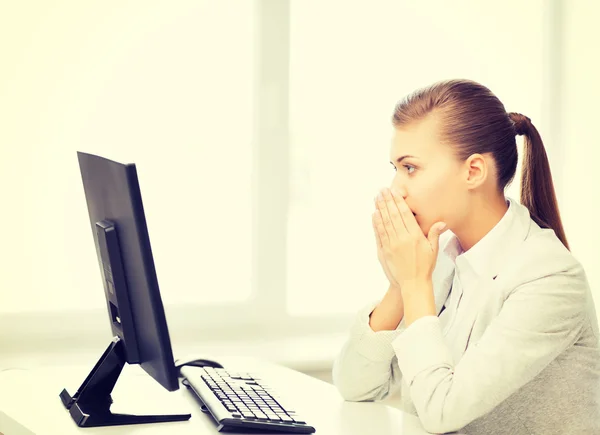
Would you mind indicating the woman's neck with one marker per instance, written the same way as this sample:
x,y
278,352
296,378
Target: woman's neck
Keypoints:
x,y
485,216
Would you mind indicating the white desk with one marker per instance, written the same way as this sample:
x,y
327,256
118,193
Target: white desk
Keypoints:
x,y
30,403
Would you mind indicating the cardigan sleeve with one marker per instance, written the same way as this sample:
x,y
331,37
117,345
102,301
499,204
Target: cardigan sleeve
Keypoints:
x,y
537,322
366,368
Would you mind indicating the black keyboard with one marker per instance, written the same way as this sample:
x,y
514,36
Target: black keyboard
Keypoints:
x,y
240,400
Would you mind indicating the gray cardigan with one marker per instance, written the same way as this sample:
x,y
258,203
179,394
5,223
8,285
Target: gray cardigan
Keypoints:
x,y
526,359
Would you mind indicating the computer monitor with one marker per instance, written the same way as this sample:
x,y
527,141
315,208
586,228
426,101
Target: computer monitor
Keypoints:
x,y
133,301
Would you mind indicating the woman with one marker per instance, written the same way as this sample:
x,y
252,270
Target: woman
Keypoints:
x,y
490,328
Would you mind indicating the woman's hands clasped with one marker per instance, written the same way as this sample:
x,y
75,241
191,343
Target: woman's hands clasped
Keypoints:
x,y
404,251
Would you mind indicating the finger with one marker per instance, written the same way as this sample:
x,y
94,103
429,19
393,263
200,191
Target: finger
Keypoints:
x,y
394,213
377,238
434,236
410,222
385,216
380,228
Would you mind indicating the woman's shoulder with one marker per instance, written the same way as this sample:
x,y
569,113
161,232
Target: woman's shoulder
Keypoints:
x,y
542,255
543,245
536,249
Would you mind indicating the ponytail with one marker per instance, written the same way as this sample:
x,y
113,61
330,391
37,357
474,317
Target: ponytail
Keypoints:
x,y
537,188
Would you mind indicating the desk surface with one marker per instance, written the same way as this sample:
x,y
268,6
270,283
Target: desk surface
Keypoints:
x,y
30,404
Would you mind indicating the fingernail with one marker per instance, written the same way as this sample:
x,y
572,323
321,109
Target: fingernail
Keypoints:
x,y
442,227
380,197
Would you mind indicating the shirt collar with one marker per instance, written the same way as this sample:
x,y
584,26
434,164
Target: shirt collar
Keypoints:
x,y
452,249
480,256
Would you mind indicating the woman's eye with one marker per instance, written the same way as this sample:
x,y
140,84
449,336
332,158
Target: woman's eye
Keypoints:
x,y
409,168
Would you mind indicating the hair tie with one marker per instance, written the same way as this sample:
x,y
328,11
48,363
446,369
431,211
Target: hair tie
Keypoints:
x,y
521,123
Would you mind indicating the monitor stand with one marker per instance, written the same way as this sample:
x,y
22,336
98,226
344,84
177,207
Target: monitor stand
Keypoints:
x,y
90,405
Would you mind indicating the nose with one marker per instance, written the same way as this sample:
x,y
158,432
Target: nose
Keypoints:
x,y
397,187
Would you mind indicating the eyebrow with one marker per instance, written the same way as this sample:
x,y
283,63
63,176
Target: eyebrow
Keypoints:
x,y
399,159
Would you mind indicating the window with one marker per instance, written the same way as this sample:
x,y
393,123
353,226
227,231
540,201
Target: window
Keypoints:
x,y
350,63
166,86
196,93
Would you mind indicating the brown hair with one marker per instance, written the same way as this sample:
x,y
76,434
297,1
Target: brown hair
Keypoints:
x,y
474,121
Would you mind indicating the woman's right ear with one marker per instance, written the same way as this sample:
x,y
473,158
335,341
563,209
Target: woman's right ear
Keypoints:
x,y
476,171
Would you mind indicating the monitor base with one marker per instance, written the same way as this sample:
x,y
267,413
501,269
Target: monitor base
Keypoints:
x,y
90,405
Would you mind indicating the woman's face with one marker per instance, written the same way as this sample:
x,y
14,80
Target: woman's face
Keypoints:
x,y
428,174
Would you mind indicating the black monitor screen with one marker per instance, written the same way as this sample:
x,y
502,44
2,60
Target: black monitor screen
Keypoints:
x,y
113,197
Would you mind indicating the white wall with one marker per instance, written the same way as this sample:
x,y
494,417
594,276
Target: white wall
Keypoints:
x,y
580,114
